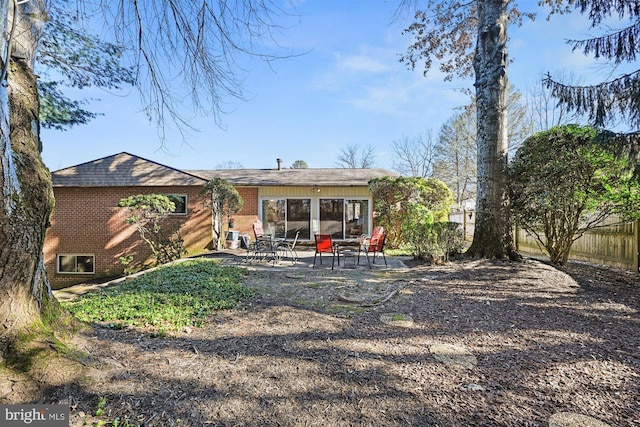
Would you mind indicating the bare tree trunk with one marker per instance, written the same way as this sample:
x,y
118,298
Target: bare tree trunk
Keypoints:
x,y
493,237
27,196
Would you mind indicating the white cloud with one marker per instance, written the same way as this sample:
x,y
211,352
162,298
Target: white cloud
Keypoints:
x,y
360,63
409,99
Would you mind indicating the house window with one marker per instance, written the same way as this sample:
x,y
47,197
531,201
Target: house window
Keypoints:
x,y
75,264
299,218
356,218
180,200
331,216
344,218
285,217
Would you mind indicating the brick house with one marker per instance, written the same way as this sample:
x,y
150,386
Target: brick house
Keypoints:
x,y
89,235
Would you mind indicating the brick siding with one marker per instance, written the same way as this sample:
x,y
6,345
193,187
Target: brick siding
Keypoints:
x,y
249,213
88,221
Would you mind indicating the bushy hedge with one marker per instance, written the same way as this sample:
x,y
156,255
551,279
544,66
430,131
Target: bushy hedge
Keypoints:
x,y
566,181
414,213
435,240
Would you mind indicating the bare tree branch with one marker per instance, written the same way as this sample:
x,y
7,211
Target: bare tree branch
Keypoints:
x,y
415,156
188,54
544,110
356,157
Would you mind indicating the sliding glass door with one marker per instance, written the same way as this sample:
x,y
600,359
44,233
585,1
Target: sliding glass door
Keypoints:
x,y
356,218
299,218
285,217
331,216
344,218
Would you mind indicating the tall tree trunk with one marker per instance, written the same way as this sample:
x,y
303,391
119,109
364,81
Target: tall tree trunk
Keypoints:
x,y
27,196
493,237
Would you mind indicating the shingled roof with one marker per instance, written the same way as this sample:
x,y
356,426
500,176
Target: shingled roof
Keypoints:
x,y
123,170
294,177
127,170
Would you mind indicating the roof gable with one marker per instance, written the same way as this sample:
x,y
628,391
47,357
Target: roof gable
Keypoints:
x,y
123,170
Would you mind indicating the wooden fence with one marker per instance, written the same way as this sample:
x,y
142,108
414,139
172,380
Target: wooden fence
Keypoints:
x,y
616,245
467,219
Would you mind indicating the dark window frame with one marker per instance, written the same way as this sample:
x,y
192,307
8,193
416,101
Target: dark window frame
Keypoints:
x,y
77,257
184,203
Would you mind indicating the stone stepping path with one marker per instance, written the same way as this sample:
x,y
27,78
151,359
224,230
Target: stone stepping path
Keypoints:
x,y
397,319
454,355
570,419
353,299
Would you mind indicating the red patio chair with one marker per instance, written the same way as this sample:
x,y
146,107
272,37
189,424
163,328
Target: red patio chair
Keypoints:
x,y
373,244
326,246
378,231
258,231
365,239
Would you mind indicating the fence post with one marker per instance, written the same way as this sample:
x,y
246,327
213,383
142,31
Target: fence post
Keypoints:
x,y
636,245
464,224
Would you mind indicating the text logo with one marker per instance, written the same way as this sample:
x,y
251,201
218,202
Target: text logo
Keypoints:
x,y
34,415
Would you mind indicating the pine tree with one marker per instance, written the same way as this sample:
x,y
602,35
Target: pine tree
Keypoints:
x,y
617,98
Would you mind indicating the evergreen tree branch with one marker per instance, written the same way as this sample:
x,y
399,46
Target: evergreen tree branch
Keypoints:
x,y
619,46
601,102
599,10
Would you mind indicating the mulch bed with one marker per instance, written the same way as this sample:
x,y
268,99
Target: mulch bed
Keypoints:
x,y
468,343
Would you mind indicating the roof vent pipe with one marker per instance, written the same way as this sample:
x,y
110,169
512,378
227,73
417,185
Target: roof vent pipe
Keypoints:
x,y
279,164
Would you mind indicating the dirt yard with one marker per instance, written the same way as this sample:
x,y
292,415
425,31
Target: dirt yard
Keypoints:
x,y
470,343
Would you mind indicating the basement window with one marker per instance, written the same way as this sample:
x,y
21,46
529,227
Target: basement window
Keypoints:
x,y
75,264
180,200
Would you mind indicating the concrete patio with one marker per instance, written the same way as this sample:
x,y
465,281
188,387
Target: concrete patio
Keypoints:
x,y
348,259
238,257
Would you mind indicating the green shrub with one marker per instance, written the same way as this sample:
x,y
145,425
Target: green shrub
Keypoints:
x,y
450,238
430,240
564,182
402,204
148,214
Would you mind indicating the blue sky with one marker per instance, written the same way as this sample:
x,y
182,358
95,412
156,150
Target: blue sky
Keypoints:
x,y
349,89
